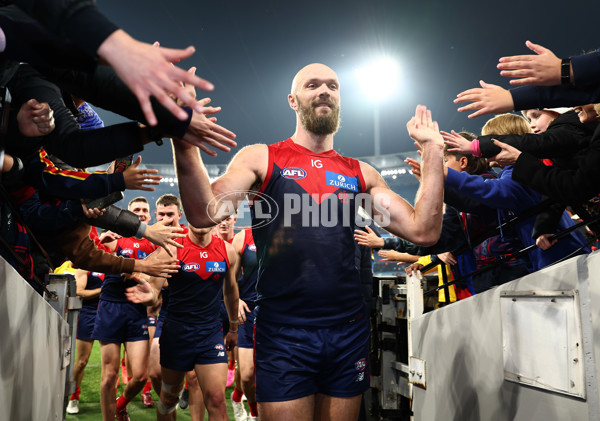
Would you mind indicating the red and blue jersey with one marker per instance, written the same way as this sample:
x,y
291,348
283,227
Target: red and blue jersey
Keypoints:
x,y
94,280
195,290
303,225
114,286
249,275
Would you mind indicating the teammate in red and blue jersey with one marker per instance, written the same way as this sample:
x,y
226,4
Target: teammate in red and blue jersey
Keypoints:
x,y
119,321
225,231
88,288
192,334
168,206
311,329
243,243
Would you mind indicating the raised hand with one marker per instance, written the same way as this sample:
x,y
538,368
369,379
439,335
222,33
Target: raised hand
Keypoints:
x,y
162,234
157,264
35,119
542,68
148,71
137,178
415,167
489,99
456,142
422,128
368,239
142,293
508,155
204,133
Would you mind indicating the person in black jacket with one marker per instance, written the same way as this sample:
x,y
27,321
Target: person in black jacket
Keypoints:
x,y
146,69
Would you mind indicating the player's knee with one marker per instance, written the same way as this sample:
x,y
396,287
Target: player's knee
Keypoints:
x,y
247,376
165,408
170,391
155,375
81,363
214,399
143,378
109,378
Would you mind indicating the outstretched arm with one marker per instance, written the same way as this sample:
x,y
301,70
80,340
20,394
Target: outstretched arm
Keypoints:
x,y
489,99
148,71
542,68
205,204
421,224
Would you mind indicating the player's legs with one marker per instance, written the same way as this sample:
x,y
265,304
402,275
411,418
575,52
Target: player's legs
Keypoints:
x,y
84,349
196,400
329,408
154,369
246,366
109,356
302,409
212,379
137,353
172,383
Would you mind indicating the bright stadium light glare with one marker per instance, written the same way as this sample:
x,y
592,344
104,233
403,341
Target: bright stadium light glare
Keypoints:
x,y
379,79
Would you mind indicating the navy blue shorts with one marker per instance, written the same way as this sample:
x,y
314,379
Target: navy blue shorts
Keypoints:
x,y
292,363
182,346
121,322
159,325
85,324
246,332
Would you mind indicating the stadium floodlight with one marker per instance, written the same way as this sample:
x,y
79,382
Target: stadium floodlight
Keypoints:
x,y
378,80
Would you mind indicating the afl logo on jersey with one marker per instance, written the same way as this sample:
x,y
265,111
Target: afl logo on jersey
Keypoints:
x,y
126,252
252,247
191,267
293,173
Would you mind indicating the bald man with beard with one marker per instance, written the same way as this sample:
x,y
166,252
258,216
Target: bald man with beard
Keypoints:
x,y
311,329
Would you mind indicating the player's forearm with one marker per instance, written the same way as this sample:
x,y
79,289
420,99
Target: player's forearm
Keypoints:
x,y
231,299
194,185
428,203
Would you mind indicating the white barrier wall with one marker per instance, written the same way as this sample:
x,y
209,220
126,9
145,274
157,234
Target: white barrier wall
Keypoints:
x,y
32,380
462,346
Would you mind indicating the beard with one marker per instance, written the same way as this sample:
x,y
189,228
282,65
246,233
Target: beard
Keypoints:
x,y
319,124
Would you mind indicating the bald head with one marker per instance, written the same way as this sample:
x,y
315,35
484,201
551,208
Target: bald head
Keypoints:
x,y
312,71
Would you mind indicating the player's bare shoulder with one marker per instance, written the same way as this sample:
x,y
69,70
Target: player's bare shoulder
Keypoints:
x,y
371,176
252,158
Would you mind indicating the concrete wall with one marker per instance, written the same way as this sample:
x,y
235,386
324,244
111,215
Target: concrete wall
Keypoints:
x,y
32,381
462,347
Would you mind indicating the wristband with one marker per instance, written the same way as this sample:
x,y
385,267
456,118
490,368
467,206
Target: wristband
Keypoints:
x,y
565,71
234,321
233,331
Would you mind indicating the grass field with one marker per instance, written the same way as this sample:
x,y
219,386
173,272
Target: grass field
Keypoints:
x,y
89,399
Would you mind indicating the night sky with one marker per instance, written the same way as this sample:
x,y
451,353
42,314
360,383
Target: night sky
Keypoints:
x,y
251,50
